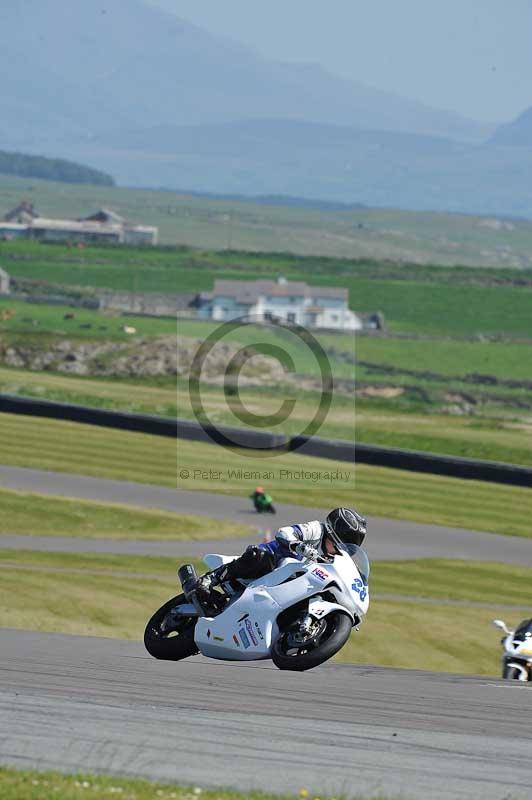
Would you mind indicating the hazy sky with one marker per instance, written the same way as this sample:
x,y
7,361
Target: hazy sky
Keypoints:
x,y
471,56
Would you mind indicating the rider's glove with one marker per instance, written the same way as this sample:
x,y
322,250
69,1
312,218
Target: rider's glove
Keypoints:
x,y
305,551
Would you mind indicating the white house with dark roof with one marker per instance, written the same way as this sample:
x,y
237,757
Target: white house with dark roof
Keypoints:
x,y
281,300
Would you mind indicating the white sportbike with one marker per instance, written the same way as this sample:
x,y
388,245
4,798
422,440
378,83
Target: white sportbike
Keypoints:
x,y
517,655
299,615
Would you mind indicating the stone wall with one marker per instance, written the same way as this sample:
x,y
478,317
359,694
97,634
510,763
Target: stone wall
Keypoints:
x,y
150,303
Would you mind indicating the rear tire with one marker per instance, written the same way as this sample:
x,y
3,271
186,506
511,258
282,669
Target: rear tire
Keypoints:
x,y
336,633
170,639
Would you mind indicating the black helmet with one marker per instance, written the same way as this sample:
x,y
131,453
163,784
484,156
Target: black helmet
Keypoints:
x,y
347,524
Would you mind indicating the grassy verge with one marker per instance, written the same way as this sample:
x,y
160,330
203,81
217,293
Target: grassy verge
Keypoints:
x,y
494,432
115,595
35,514
87,450
83,594
424,636
453,580
142,395
33,785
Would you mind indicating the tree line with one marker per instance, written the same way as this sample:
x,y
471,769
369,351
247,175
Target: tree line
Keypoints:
x,y
51,169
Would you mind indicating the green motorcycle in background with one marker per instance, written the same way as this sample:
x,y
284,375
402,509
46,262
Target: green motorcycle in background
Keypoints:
x,y
262,501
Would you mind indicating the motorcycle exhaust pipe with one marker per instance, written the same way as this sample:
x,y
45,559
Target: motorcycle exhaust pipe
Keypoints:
x,y
189,583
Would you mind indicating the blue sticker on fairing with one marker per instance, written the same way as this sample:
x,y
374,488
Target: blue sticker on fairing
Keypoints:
x,y
360,589
243,635
251,635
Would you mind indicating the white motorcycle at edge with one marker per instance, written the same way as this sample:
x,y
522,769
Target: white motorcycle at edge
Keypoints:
x,y
299,615
517,655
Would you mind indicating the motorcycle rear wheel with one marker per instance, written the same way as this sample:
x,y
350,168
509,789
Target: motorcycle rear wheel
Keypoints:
x,y
170,638
285,655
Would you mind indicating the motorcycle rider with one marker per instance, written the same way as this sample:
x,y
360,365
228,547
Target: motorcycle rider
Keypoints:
x,y
292,540
261,500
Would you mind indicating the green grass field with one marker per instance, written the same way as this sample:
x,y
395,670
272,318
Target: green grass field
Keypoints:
x,y
428,374
71,447
446,358
423,304
39,785
41,515
486,383
39,319
104,595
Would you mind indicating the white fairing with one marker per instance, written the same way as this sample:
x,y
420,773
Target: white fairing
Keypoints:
x,y
519,650
512,647
214,560
247,628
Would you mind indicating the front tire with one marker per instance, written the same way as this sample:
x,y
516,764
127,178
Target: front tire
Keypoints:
x,y
168,637
300,656
514,674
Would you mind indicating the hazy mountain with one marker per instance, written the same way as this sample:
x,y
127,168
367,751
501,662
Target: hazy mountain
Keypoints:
x,y
79,68
156,101
274,138
517,133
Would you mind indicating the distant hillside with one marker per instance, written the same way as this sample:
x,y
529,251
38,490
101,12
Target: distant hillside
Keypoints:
x,y
53,169
517,133
234,225
325,162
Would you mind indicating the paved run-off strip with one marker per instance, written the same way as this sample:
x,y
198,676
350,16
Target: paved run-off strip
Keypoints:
x,y
99,704
387,539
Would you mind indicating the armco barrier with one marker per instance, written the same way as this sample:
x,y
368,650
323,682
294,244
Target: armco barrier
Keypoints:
x,y
338,450
142,423
246,438
414,461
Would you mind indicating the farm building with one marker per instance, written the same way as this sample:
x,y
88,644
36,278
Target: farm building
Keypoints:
x,y
102,226
285,301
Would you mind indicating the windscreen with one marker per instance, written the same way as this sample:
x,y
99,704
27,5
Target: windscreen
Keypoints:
x,y
360,559
524,630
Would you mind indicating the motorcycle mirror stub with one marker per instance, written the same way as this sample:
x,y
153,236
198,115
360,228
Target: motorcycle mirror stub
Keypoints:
x,y
499,623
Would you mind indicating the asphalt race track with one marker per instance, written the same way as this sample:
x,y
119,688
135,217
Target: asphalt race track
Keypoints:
x,y
79,703
387,539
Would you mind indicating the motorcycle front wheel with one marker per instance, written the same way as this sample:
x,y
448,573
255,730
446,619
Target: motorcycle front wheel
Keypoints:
x,y
170,637
514,674
299,655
